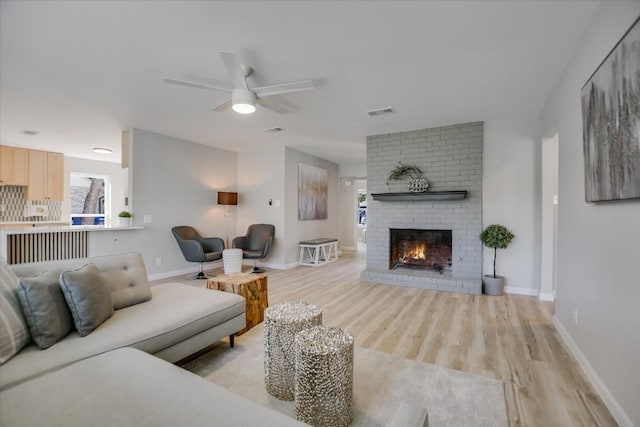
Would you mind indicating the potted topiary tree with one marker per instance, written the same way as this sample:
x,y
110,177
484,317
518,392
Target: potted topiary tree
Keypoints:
x,y
124,219
496,237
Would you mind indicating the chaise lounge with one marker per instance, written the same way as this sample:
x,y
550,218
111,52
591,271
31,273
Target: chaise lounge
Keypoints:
x,y
114,375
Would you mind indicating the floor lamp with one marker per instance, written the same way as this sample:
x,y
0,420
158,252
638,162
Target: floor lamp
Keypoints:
x,y
227,199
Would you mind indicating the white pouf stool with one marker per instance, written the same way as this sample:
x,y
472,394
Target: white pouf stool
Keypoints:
x,y
281,323
324,377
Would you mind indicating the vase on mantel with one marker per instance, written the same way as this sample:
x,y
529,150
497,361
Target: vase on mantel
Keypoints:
x,y
418,185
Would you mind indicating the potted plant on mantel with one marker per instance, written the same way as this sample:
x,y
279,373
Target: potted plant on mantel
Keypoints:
x,y
496,237
124,219
417,184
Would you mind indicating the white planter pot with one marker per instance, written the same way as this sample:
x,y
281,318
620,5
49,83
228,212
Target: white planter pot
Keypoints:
x,y
124,222
493,285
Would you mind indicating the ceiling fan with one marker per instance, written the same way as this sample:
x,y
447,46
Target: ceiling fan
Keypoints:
x,y
243,99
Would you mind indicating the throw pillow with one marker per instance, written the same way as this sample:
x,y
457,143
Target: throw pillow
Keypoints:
x,y
87,296
14,333
45,309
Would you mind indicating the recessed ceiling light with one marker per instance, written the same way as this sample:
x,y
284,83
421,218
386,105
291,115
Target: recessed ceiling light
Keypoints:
x,y
30,132
102,150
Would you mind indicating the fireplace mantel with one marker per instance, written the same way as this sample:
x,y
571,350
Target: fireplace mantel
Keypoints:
x,y
428,196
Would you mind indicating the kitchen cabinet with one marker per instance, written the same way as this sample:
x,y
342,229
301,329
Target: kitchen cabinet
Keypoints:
x,y
46,176
14,166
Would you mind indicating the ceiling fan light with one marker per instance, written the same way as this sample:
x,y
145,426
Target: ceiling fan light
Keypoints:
x,y
243,108
102,150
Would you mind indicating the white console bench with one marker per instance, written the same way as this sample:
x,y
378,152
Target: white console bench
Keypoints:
x,y
318,251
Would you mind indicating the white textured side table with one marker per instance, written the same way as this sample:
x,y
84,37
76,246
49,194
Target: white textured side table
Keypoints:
x,y
281,323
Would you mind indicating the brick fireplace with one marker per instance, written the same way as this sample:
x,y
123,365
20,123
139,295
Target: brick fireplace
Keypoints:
x,y
451,159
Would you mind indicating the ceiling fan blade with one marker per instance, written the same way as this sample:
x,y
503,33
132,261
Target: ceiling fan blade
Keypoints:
x,y
234,70
223,105
272,106
284,88
221,86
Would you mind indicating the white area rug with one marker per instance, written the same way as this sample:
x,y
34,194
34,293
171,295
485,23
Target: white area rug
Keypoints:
x,y
381,381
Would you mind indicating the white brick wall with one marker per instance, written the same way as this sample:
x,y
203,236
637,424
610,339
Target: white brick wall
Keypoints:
x,y
451,159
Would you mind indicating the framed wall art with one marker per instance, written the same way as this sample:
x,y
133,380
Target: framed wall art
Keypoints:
x,y
611,123
312,192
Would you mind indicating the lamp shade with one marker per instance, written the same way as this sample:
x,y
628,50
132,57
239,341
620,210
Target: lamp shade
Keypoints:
x,y
227,198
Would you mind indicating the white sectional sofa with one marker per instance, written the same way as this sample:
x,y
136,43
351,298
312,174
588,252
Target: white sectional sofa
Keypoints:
x,y
109,377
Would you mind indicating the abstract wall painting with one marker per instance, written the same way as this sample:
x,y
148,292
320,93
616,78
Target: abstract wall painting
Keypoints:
x,y
611,123
312,192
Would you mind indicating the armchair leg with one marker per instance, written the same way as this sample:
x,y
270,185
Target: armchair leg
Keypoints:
x,y
201,275
232,339
256,269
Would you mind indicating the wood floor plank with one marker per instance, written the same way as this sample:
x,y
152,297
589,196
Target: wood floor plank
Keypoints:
x,y
510,337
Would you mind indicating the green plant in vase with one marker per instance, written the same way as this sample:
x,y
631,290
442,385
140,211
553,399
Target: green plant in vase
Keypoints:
x,y
124,219
497,237
417,183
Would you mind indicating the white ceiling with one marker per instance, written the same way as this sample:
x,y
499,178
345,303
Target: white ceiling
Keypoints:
x,y
80,72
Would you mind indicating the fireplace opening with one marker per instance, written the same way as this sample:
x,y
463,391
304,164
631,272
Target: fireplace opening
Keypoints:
x,y
421,249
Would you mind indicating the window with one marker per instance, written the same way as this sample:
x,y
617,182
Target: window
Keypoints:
x,y
90,199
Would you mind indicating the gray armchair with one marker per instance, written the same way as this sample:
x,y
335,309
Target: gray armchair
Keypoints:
x,y
196,248
256,243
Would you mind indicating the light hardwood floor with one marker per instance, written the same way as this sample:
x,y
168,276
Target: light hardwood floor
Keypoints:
x,y
511,337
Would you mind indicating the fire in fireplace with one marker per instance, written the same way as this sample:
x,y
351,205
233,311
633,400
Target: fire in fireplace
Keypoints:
x,y
425,249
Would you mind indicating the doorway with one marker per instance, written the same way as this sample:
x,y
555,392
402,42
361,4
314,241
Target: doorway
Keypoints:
x,y
549,218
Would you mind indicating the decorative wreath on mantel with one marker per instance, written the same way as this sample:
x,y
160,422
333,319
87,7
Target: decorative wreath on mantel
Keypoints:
x,y
417,184
402,171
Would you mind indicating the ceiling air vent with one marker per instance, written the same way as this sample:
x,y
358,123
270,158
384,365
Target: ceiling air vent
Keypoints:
x,y
30,132
380,111
272,130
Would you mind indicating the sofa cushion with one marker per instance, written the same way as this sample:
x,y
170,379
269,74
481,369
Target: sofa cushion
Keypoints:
x,y
14,333
45,309
176,312
135,389
88,298
125,274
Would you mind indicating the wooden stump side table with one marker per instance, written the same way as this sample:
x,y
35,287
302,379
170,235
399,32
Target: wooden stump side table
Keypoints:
x,y
253,287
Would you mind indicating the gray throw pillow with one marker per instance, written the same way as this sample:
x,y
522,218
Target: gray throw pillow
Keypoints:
x,y
45,309
88,297
14,332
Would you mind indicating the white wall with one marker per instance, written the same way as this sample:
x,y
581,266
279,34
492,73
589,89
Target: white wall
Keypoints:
x,y
176,182
260,178
348,203
310,229
511,197
273,174
353,170
117,175
598,243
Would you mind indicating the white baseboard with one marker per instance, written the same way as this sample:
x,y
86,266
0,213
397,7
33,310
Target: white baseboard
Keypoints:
x,y
183,271
270,265
547,296
616,410
520,291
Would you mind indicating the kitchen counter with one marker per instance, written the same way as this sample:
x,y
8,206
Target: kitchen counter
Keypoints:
x,y
28,229
23,243
32,223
